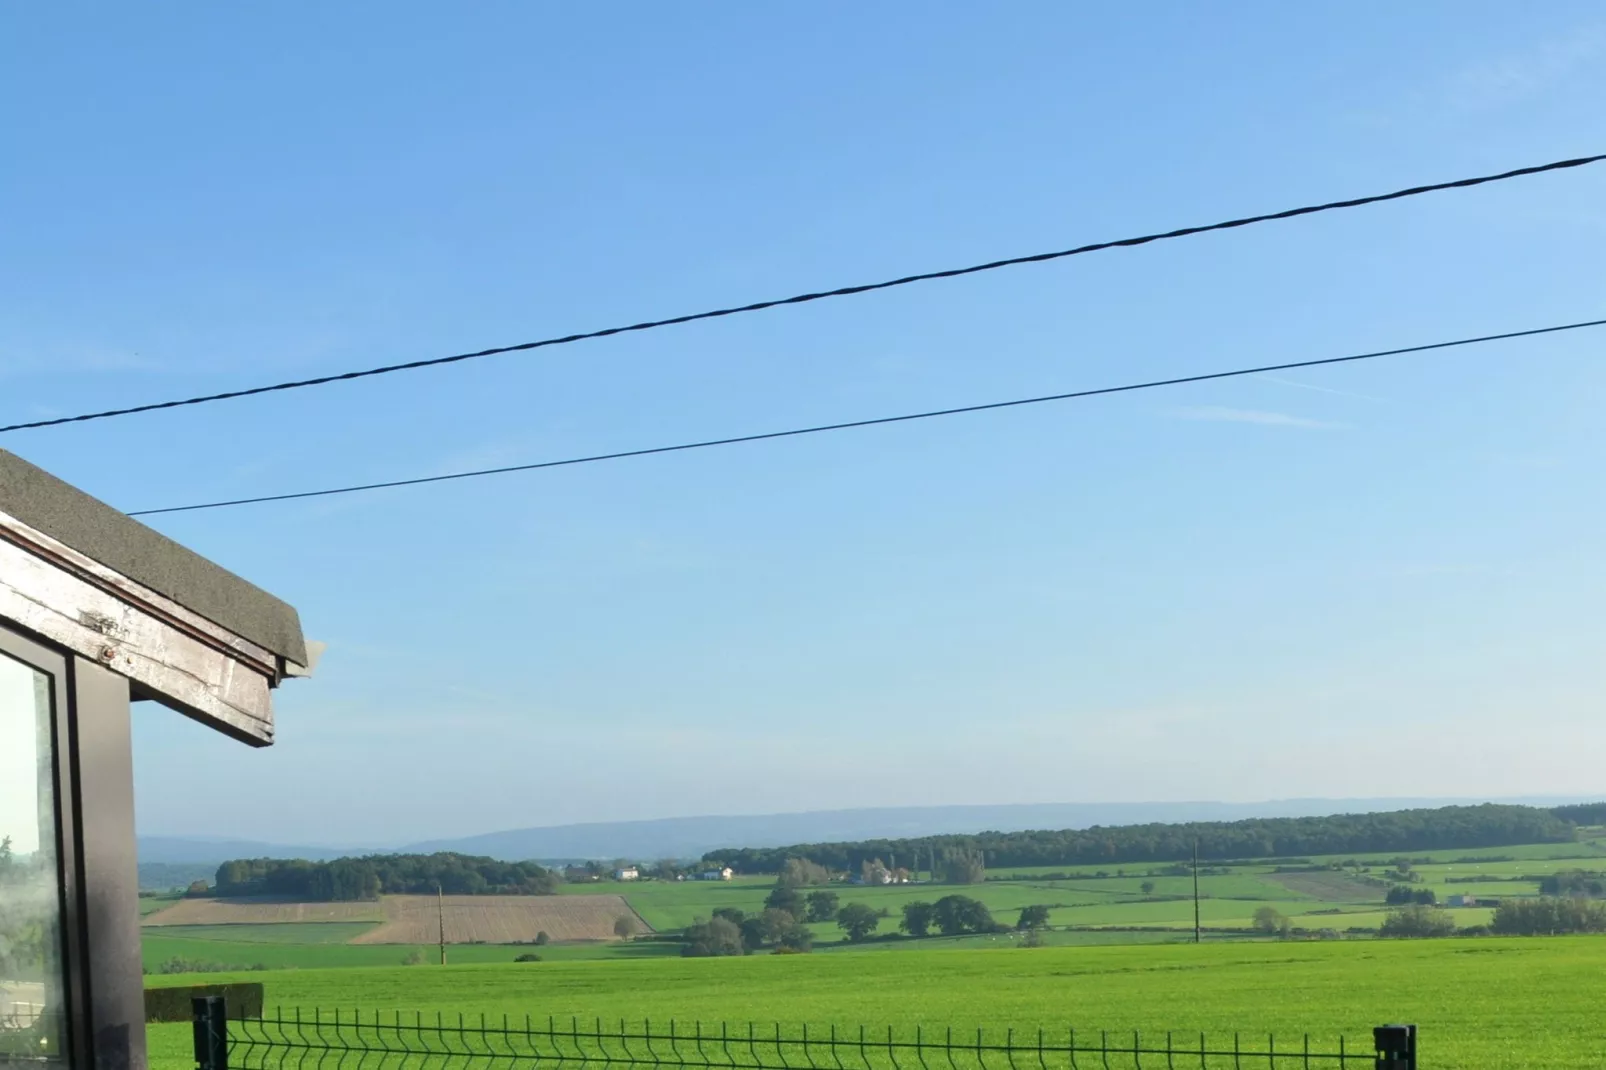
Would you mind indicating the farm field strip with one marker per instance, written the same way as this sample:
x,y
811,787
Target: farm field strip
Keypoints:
x,y
260,911
312,932
1484,1004
498,919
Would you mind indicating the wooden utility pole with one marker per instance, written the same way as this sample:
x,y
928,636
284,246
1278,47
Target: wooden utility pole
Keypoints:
x,y
1196,889
440,910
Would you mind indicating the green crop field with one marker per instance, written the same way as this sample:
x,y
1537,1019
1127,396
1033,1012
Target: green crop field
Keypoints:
x,y
1485,1004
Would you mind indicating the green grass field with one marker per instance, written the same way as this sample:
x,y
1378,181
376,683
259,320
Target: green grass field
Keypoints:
x,y
1481,1004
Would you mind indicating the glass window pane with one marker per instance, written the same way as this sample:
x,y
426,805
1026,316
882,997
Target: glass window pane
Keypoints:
x,y
32,984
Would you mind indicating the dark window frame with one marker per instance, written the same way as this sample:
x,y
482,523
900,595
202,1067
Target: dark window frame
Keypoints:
x,y
93,787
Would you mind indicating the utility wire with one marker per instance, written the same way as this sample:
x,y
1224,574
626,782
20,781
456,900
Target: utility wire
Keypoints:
x,y
877,421
799,299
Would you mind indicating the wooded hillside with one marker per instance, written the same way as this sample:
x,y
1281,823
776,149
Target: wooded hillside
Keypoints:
x,y
1489,825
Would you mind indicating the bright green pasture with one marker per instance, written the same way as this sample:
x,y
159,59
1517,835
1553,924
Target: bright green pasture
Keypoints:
x,y
1483,1004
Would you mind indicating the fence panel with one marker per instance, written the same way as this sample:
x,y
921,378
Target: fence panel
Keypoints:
x,y
353,1040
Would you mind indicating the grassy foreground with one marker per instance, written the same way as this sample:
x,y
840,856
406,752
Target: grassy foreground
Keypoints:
x,y
1484,1004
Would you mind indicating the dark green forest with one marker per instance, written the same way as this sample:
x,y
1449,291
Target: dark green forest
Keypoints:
x,y
1489,825
1582,813
346,879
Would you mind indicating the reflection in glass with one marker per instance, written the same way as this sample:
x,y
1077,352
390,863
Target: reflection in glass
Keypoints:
x,y
31,980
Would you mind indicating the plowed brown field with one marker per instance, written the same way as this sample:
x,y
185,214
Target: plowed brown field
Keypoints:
x,y
500,919
255,911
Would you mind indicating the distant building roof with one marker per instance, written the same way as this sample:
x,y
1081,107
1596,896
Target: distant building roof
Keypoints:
x,y
96,530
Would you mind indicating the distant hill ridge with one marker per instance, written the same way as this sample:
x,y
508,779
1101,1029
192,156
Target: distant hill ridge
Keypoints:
x,y
692,837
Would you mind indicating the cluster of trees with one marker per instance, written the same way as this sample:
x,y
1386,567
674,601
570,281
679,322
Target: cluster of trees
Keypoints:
x,y
952,915
1417,920
961,865
1575,883
820,905
347,879
799,872
1489,825
1401,894
1271,922
782,923
1546,915
733,932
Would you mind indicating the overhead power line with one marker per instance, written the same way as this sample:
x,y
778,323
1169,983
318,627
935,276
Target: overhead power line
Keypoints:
x,y
876,421
805,298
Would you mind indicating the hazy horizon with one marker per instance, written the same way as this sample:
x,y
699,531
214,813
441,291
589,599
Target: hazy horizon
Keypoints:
x,y
1293,807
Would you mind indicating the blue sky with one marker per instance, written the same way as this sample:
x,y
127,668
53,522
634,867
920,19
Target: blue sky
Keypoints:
x,y
1376,580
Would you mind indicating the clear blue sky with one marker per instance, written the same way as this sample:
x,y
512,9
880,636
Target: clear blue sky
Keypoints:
x,y
1363,581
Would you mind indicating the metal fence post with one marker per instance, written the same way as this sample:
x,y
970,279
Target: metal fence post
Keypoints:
x,y
211,1032
1396,1047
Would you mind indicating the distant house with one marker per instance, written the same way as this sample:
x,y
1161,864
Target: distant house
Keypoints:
x,y
1462,901
724,874
627,873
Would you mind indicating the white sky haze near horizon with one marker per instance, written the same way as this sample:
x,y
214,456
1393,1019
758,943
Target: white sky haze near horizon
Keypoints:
x,y
1375,580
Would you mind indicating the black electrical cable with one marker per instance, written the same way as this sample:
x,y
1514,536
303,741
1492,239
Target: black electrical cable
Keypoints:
x,y
847,425
843,291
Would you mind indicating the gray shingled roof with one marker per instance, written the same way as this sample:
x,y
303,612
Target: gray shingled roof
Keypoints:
x,y
62,511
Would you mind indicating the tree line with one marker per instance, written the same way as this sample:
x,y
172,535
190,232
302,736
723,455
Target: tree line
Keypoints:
x,y
369,877
1488,825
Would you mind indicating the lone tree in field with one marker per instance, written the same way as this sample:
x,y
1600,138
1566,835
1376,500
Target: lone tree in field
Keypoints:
x,y
858,920
776,928
1032,918
787,898
956,914
1417,920
624,926
772,927
918,918
1269,920
822,906
1147,887
711,938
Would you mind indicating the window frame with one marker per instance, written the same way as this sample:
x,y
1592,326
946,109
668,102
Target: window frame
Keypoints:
x,y
97,863
69,871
